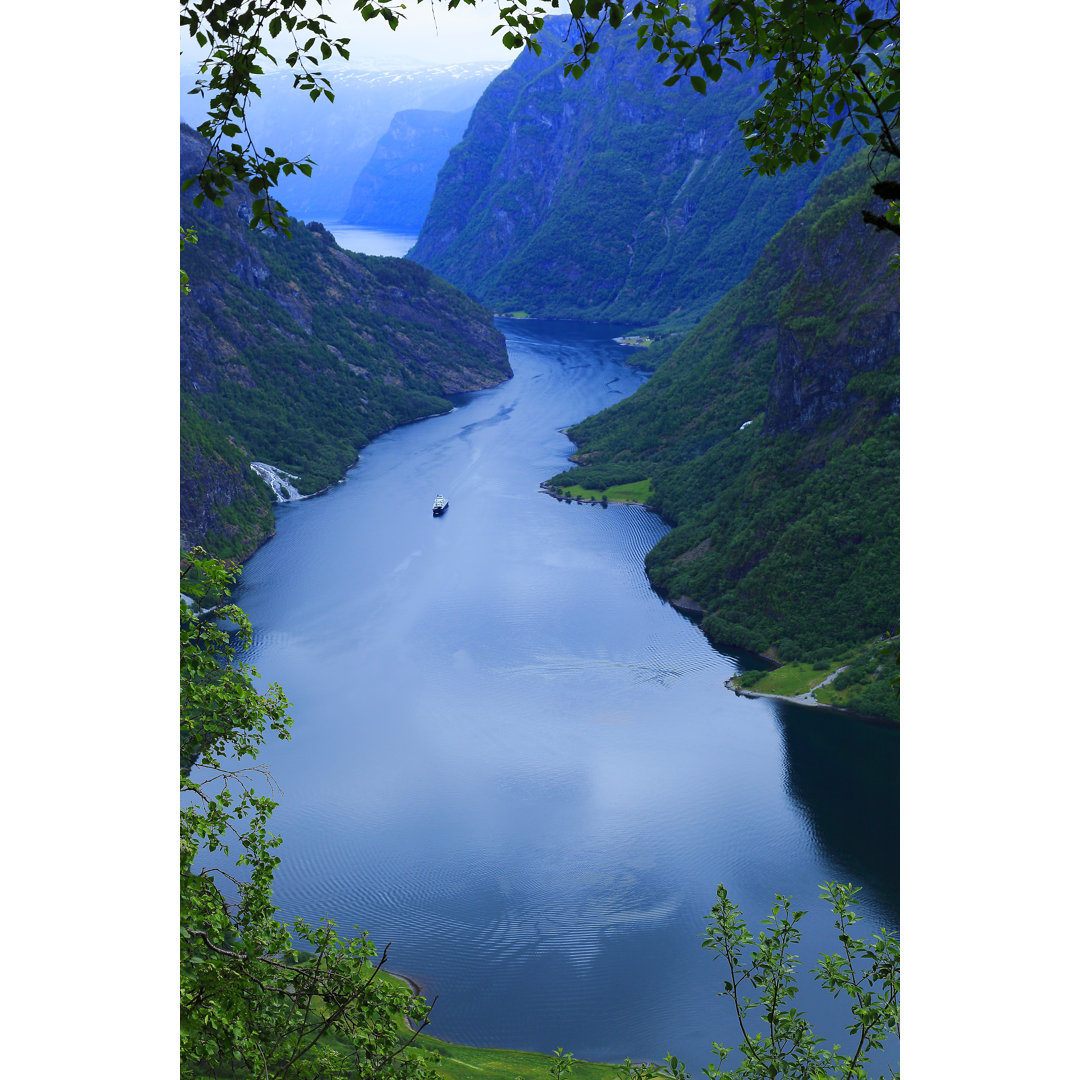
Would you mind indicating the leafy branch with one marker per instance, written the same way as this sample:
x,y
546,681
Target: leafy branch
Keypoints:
x,y
829,64
249,996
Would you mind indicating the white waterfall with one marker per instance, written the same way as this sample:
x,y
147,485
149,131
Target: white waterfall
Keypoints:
x,y
278,480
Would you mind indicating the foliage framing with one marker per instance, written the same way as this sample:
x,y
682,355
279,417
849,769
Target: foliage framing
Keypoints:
x,y
829,65
777,1039
251,1002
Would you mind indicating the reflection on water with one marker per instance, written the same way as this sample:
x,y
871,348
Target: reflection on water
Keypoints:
x,y
513,760
851,800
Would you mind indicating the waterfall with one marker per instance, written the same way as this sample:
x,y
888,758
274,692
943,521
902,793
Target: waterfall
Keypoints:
x,y
278,480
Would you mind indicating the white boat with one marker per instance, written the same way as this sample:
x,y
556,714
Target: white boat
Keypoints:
x,y
440,506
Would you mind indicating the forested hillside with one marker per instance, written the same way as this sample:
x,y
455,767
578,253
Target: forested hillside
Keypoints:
x,y
611,197
771,438
295,353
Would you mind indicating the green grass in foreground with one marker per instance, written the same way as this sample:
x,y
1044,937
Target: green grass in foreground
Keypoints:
x,y
472,1062
639,492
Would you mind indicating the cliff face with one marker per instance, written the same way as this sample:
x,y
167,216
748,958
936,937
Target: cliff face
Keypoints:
x,y
340,137
840,316
395,187
611,197
771,436
296,353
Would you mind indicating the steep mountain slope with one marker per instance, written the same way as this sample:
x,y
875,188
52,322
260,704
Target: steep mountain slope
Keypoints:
x,y
341,136
771,437
611,197
394,189
295,353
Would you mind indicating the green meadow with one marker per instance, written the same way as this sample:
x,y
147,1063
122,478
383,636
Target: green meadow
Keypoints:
x,y
639,492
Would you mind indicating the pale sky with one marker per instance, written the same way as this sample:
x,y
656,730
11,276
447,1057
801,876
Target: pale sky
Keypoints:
x,y
428,35
429,32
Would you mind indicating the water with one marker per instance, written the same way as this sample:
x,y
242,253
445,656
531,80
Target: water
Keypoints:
x,y
372,241
515,762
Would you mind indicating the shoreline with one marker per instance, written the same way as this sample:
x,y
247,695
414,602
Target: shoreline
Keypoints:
x,y
582,501
412,984
809,700
690,608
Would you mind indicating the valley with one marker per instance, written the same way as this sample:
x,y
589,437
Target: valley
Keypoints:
x,y
653,643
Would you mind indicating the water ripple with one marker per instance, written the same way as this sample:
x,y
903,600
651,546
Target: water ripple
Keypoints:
x,y
511,757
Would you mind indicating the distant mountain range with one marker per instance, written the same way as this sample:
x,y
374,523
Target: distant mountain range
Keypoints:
x,y
611,197
769,431
394,189
341,136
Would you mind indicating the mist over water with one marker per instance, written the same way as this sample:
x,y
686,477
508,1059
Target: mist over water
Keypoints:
x,y
514,761
368,241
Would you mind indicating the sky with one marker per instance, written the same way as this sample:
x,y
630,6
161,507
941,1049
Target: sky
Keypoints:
x,y
427,35
430,34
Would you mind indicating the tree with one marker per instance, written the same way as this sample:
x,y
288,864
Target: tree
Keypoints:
x,y
251,1001
762,985
828,65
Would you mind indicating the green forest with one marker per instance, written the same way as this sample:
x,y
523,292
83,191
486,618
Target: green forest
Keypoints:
x,y
514,219
297,353
735,230
786,531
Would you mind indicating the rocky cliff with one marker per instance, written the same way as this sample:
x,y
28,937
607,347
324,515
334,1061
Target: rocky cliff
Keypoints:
x,y
840,316
394,189
295,353
771,437
340,136
611,197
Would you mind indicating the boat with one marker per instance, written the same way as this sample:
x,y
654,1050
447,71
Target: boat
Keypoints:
x,y
440,506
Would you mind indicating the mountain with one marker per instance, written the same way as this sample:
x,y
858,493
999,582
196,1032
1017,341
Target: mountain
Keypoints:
x,y
770,435
611,197
341,135
394,189
295,354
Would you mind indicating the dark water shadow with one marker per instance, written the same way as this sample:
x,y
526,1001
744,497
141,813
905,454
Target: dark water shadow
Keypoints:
x,y
843,774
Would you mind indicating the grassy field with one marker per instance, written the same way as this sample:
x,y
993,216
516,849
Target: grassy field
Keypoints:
x,y
472,1063
789,680
866,680
640,492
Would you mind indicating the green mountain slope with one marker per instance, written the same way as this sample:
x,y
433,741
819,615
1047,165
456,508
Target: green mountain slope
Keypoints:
x,y
295,353
771,437
611,197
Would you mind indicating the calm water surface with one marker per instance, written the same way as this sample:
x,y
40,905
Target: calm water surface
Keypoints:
x,y
515,762
372,241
